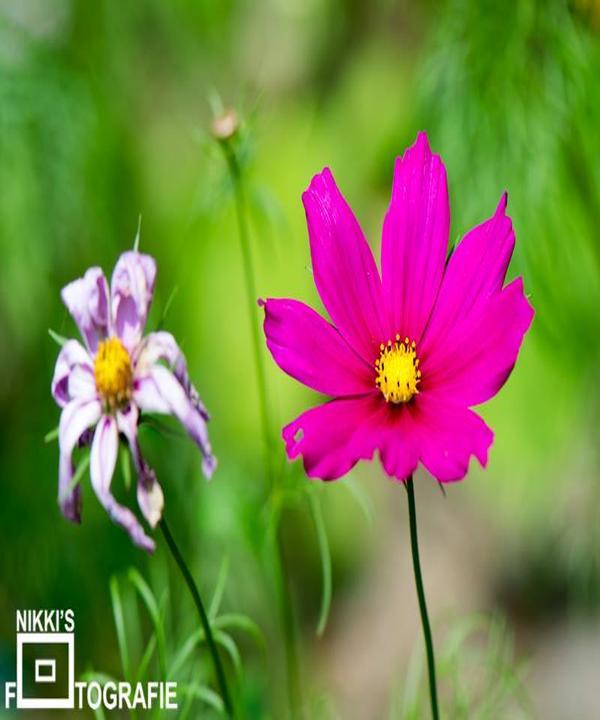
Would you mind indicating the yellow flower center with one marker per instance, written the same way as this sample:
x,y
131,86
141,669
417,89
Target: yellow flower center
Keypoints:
x,y
398,371
113,372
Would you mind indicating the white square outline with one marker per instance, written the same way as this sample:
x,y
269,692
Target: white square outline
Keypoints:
x,y
67,703
40,663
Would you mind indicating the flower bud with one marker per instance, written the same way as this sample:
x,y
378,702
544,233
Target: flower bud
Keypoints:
x,y
225,125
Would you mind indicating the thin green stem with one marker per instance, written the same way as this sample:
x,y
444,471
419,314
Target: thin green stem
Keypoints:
x,y
210,641
414,544
251,301
288,625
275,544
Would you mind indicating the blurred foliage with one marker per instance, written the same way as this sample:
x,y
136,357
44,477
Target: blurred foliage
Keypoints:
x,y
105,109
479,675
514,104
152,644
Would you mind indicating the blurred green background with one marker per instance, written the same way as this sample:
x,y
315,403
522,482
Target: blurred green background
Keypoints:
x,y
105,115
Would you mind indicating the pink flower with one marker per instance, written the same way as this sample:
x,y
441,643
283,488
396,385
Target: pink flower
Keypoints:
x,y
410,351
106,384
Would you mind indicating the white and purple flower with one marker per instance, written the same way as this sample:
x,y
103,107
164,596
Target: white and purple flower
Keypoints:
x,y
118,374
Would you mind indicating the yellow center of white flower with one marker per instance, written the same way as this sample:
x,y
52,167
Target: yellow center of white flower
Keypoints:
x,y
113,372
398,373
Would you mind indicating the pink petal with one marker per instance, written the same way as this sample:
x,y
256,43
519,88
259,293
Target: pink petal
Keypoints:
x,y
448,436
415,239
160,391
132,288
311,350
474,360
333,437
345,272
72,355
399,444
102,465
440,435
87,301
149,493
75,418
475,272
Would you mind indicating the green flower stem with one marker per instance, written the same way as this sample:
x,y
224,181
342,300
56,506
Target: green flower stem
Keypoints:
x,y
288,625
414,544
251,300
210,641
275,545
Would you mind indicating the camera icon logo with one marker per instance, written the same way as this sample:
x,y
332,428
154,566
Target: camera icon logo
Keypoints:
x,y
45,670
45,654
45,677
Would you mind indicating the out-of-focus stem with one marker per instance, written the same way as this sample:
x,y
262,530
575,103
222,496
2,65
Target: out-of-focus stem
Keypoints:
x,y
210,641
414,544
275,545
288,623
251,301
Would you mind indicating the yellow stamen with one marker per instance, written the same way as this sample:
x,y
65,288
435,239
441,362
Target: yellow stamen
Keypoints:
x,y
398,371
113,373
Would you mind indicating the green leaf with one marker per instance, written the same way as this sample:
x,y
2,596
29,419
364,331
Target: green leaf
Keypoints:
x,y
325,554
217,597
161,427
206,695
240,622
227,642
215,102
149,601
186,650
361,497
117,608
77,475
136,242
56,337
125,466
167,307
146,658
51,435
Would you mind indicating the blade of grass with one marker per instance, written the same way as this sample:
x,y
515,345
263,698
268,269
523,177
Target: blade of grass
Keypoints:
x,y
325,555
186,650
208,696
78,474
240,622
362,499
217,597
149,601
51,435
228,643
59,339
125,466
166,308
146,658
117,606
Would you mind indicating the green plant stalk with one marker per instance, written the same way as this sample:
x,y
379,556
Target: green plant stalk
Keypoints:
x,y
288,623
275,544
414,544
325,554
187,576
251,300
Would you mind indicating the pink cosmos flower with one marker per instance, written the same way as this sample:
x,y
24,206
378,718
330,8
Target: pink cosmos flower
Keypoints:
x,y
106,384
410,351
